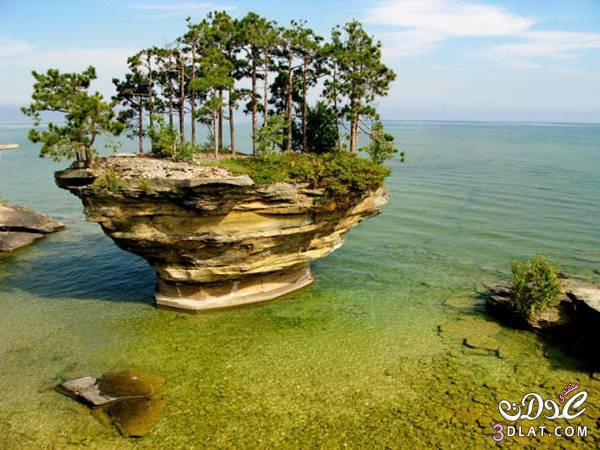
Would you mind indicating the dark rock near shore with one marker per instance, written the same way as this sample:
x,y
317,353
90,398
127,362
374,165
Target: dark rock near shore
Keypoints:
x,y
20,226
573,325
578,302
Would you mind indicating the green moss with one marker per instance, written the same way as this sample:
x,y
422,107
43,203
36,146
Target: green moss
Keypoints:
x,y
341,175
110,182
535,284
146,187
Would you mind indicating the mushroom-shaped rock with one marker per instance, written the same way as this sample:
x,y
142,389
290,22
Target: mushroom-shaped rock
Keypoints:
x,y
216,240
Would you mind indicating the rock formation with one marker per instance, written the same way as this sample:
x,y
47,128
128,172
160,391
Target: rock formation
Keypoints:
x,y
20,226
578,302
573,324
214,239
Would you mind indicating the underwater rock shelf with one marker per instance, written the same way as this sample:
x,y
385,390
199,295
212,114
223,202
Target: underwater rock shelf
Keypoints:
x,y
216,240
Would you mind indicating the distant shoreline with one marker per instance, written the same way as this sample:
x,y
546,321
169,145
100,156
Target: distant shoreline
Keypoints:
x,y
26,124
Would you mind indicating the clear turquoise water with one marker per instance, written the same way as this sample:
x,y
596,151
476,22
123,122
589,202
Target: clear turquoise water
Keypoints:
x,y
370,356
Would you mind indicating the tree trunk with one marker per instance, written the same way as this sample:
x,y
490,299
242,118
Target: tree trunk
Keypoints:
x,y
304,105
221,119
193,96
231,124
335,107
215,133
289,103
171,107
354,133
89,156
254,108
352,123
150,89
141,127
182,100
266,95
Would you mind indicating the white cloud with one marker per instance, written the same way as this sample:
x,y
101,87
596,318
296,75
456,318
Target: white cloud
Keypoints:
x,y
175,9
401,44
420,26
547,44
449,17
10,47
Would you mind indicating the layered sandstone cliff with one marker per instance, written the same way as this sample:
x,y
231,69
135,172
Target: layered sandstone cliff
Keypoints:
x,y
214,239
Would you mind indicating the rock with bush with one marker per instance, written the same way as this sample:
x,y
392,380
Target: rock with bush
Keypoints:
x,y
542,298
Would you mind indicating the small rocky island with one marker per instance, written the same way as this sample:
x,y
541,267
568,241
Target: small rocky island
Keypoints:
x,y
221,227
214,238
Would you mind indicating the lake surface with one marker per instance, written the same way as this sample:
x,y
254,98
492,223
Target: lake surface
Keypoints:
x,y
372,355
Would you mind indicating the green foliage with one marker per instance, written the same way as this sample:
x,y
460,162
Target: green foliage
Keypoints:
x,y
110,182
146,187
165,140
86,115
271,135
382,145
166,143
535,283
321,129
342,175
186,152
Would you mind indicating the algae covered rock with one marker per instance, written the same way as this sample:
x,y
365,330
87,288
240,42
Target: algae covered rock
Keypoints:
x,y
122,398
111,387
215,239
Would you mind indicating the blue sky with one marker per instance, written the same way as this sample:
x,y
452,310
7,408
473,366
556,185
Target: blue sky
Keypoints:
x,y
525,60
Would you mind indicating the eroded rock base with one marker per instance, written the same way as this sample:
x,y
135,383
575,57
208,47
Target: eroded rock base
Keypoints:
x,y
251,289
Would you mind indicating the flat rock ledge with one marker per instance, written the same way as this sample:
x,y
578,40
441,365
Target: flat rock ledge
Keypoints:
x,y
20,226
578,306
216,240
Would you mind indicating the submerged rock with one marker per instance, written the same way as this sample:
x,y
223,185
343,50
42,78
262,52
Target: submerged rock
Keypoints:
x,y
111,387
86,389
20,226
135,418
216,240
122,398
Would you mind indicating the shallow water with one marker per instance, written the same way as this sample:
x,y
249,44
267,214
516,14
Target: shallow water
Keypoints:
x,y
371,355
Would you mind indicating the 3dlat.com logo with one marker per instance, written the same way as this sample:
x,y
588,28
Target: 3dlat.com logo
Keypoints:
x,y
534,407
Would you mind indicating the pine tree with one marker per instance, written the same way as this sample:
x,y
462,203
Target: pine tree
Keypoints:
x,y
361,75
132,95
258,36
308,48
166,79
215,77
86,116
